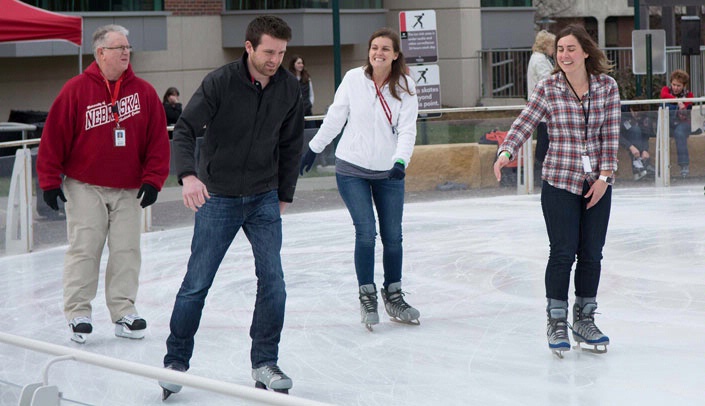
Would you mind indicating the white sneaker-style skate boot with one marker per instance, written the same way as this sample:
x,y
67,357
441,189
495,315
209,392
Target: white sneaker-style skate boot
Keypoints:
x,y
168,387
368,306
130,326
557,329
271,377
584,328
396,306
80,327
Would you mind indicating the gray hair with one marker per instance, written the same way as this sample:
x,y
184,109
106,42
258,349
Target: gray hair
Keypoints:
x,y
101,33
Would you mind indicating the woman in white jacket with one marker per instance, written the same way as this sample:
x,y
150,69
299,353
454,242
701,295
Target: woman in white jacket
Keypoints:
x,y
378,102
540,67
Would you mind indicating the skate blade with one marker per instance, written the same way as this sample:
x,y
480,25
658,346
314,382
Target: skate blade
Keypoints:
x,y
165,394
414,322
558,353
260,385
595,349
79,338
369,327
124,332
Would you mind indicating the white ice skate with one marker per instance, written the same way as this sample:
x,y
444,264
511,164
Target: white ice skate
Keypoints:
x,y
557,331
585,331
130,326
397,309
167,387
271,377
80,328
368,306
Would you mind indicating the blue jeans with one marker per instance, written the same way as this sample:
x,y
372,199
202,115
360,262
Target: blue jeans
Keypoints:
x,y
574,231
681,132
388,197
217,223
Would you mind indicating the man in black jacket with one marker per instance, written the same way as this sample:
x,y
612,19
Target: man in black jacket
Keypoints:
x,y
246,176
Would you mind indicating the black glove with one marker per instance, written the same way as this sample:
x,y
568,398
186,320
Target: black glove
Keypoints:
x,y
150,195
307,161
397,171
51,195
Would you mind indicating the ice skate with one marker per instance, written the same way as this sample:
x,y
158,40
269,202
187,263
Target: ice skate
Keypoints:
x,y
557,330
585,330
130,326
638,169
396,306
167,387
368,306
80,327
271,377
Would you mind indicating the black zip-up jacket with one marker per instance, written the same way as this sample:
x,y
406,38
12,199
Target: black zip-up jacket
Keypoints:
x,y
253,138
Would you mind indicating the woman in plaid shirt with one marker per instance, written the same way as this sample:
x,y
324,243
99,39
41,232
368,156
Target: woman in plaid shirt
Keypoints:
x,y
581,105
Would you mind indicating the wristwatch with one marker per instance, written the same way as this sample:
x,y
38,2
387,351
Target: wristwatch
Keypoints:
x,y
607,179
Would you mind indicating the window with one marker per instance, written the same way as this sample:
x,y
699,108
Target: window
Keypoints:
x,y
505,3
295,4
98,5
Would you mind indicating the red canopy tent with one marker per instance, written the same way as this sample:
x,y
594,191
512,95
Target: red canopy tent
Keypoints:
x,y
21,22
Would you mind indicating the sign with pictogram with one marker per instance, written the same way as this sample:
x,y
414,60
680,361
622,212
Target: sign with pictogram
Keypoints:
x,y
419,41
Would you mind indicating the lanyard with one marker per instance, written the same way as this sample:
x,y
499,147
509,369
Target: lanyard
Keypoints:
x,y
586,113
113,100
383,102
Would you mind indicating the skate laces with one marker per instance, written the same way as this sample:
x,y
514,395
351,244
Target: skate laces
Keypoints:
x,y
396,300
78,320
272,371
558,329
369,302
586,324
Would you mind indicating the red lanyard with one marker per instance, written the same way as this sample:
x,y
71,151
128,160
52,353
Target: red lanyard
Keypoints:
x,y
383,102
113,100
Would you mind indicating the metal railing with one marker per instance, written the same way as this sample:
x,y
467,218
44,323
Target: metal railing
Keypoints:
x,y
50,393
503,71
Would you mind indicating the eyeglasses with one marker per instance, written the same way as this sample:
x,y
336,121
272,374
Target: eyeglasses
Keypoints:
x,y
122,48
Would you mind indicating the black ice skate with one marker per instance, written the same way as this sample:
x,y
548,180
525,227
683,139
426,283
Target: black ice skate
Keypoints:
x,y
167,387
397,309
80,327
271,377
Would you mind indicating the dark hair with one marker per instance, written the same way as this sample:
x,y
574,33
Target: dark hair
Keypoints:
x,y
596,61
305,77
273,26
169,92
399,68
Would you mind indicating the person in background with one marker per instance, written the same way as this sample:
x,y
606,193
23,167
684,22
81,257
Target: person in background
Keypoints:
x,y
540,67
246,177
298,68
634,136
680,117
376,107
105,141
581,105
172,105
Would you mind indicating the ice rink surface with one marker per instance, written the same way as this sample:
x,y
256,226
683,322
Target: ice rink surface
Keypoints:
x,y
473,267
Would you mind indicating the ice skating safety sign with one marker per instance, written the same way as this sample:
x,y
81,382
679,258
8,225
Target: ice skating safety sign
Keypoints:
x,y
419,41
428,85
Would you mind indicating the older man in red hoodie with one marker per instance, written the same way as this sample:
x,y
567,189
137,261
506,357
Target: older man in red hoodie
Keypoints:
x,y
105,141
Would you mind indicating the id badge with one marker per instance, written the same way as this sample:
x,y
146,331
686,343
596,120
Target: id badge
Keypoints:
x,y
119,137
586,164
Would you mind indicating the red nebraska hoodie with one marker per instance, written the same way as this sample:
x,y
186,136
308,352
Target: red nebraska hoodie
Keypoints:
x,y
78,139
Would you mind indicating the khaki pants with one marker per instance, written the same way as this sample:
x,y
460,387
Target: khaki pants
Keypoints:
x,y
94,214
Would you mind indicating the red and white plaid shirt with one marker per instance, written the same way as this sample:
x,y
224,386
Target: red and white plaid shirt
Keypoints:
x,y
553,99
